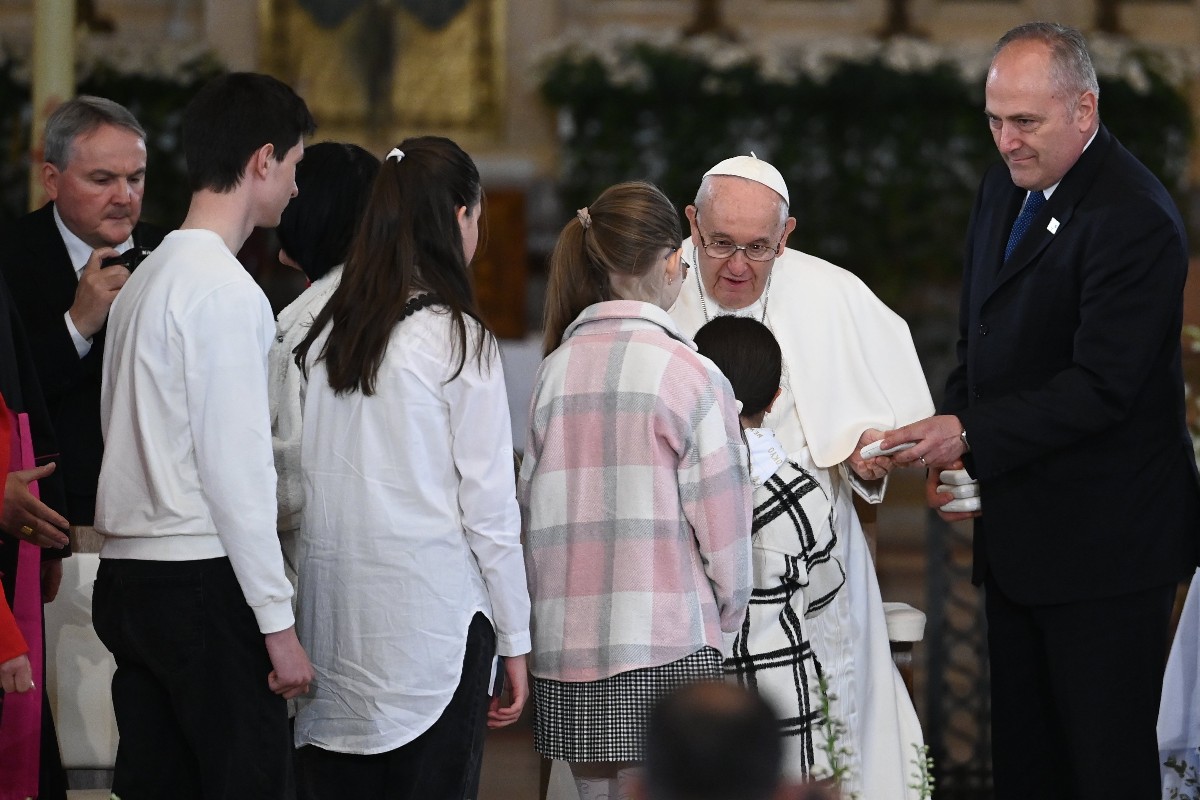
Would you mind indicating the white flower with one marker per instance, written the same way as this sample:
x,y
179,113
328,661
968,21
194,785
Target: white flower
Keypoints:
x,y
1135,75
907,54
629,74
775,66
785,62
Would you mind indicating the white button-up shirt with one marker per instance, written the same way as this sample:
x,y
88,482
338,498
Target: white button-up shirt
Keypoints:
x,y
410,527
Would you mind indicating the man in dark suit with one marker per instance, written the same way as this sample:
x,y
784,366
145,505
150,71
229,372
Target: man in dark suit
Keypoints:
x,y
1067,406
94,174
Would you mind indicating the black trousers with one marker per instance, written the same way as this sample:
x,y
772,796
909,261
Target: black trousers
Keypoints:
x,y
443,763
1075,695
194,713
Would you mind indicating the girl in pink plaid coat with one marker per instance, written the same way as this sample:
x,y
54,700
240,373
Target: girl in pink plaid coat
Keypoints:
x,y
634,490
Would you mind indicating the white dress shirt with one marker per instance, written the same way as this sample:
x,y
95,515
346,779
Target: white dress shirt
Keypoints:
x,y
79,252
294,323
410,527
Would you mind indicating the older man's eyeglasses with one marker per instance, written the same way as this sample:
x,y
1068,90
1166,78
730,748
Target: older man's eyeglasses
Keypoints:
x,y
723,248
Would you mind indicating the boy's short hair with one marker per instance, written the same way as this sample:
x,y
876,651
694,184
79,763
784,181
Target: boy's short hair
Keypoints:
x,y
230,118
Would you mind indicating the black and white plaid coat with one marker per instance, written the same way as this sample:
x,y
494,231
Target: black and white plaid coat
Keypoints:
x,y
796,576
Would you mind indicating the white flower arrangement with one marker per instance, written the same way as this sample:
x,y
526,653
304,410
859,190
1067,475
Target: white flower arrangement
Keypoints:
x,y
617,51
166,60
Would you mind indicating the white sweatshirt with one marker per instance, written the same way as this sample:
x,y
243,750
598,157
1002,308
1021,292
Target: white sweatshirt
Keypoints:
x,y
188,472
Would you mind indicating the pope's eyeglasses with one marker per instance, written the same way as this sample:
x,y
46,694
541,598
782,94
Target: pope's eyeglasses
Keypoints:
x,y
722,248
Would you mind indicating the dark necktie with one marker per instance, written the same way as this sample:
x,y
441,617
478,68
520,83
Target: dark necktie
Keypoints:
x,y
1032,206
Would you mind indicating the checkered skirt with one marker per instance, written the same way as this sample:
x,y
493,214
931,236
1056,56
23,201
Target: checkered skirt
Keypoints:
x,y
605,720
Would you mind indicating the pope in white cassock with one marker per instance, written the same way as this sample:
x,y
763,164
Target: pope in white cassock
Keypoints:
x,y
850,373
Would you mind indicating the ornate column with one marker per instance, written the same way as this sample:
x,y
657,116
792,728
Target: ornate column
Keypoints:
x,y
53,77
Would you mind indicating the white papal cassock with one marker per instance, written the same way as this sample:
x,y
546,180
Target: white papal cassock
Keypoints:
x,y
849,365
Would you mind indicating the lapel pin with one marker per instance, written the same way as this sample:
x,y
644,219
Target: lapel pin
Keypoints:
x,y
1053,226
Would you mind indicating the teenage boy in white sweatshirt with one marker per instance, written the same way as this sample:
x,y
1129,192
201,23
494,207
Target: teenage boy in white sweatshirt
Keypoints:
x,y
191,596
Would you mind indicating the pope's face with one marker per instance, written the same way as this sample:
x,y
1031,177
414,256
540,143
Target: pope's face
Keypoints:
x,y
1039,131
99,191
741,212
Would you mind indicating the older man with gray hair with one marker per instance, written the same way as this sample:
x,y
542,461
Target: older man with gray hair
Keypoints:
x,y
94,174
850,372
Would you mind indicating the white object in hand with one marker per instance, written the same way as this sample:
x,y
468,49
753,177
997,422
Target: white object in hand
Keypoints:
x,y
956,477
965,504
961,491
874,449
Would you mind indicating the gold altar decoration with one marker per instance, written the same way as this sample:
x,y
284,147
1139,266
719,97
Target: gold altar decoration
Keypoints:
x,y
384,73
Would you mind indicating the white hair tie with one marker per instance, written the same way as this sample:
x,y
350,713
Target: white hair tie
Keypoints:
x,y
397,154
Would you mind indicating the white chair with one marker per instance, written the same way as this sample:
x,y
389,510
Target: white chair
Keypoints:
x,y
79,672
905,627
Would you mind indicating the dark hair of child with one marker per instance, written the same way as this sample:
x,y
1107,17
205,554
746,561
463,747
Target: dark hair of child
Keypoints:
x,y
747,353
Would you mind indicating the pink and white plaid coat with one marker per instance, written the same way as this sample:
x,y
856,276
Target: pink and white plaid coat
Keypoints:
x,y
635,498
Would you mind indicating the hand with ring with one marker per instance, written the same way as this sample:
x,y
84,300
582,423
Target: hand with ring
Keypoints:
x,y
25,516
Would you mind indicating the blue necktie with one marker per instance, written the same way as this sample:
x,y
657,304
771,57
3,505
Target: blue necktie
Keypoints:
x,y
1033,205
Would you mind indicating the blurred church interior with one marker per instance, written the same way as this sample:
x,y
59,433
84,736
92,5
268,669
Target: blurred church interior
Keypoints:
x,y
480,72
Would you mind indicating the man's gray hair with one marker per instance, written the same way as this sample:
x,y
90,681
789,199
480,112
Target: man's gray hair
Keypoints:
x,y
1071,65
80,116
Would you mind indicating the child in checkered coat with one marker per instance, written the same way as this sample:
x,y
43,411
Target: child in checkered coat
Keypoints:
x,y
795,572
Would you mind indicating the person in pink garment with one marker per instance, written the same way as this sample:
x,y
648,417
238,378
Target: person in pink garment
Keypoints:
x,y
634,490
16,674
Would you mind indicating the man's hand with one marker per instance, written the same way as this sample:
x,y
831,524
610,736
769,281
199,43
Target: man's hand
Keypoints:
x,y
16,675
938,499
26,517
517,689
872,468
938,442
52,573
292,672
98,287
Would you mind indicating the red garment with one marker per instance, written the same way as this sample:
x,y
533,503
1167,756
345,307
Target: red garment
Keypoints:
x,y
12,644
21,720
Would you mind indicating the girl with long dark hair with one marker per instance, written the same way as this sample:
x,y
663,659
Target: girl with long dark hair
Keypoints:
x,y
410,566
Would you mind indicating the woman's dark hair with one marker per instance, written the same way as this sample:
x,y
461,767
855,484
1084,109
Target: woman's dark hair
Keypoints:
x,y
334,180
748,354
409,242
623,231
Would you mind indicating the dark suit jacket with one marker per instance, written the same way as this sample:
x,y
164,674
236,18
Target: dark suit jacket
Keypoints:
x,y
1069,385
38,269
23,394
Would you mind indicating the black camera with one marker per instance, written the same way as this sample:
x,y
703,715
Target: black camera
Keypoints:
x,y
129,259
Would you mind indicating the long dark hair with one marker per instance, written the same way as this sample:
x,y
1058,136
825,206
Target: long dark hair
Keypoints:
x,y
316,228
623,231
409,241
748,354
